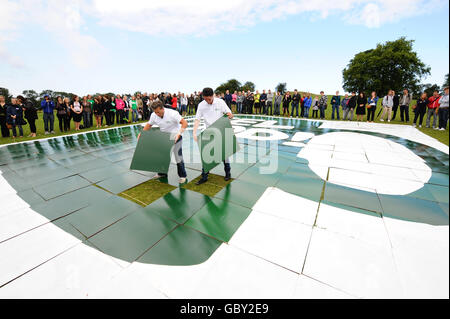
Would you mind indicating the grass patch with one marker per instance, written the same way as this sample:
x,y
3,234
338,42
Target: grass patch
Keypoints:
x,y
214,185
147,192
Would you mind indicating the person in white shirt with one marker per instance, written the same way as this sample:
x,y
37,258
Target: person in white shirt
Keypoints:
x,y
211,109
169,121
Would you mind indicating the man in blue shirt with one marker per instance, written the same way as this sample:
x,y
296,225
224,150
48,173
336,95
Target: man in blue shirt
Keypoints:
x,y
48,106
335,102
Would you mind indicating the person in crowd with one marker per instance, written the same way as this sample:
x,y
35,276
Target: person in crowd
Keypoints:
x,y
183,103
443,110
69,112
211,109
395,104
323,101
405,101
77,109
296,97
420,109
433,106
249,101
361,103
269,102
134,109
197,99
344,105
335,103
31,115
146,110
307,101
388,104
262,102
315,107
98,111
140,104
112,110
372,106
120,106
91,100
174,102
87,112
61,114
351,106
3,116
14,113
191,103
234,101
47,107
228,98
278,101
239,101
126,108
257,97
286,100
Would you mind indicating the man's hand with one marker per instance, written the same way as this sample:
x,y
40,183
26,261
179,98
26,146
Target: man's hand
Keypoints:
x,y
195,137
230,115
177,137
139,136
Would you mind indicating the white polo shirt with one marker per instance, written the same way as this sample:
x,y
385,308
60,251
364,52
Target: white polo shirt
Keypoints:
x,y
169,123
212,112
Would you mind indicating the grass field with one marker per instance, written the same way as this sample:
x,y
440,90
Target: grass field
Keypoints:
x,y
442,136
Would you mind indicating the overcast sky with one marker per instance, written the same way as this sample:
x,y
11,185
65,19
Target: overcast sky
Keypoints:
x,y
89,46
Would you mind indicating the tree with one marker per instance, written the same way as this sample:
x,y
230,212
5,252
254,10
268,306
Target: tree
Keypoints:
x,y
281,87
46,92
392,65
32,96
231,85
446,83
5,93
429,89
248,86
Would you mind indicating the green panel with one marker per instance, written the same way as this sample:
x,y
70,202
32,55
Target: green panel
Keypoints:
x,y
93,218
179,205
219,219
352,197
309,188
31,197
219,136
439,179
124,181
68,228
102,173
61,186
68,203
439,193
130,237
152,152
242,193
413,209
254,175
182,247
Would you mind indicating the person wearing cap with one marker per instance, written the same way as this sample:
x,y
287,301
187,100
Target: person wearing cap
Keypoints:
x,y
169,121
211,109
48,106
443,110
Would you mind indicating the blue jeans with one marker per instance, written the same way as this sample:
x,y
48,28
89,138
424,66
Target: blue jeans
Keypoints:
x,y
335,108
306,111
443,117
294,106
14,125
227,167
322,112
239,107
178,152
49,118
134,115
87,119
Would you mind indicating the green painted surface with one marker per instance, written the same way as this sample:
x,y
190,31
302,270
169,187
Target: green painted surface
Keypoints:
x,y
62,186
123,181
152,152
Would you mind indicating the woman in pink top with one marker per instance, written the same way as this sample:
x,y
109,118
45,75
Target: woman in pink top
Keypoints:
x,y
233,100
120,105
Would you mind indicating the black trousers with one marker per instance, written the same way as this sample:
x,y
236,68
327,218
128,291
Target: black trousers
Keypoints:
x,y
4,128
63,122
404,112
32,125
394,112
371,113
419,115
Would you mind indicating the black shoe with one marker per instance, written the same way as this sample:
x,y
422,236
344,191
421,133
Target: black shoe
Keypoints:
x,y
227,177
201,181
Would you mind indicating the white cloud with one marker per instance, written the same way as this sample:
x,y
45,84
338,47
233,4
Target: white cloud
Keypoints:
x,y
204,17
9,14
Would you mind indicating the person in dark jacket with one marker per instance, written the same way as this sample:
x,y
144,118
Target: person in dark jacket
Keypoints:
x,y
14,114
351,105
30,114
3,116
361,102
296,98
98,110
61,114
420,109
249,101
286,100
48,106
396,100
335,103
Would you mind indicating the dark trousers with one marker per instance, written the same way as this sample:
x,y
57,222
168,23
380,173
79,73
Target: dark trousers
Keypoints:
x,y
443,117
63,122
268,107
370,113
419,115
294,107
335,108
49,119
14,125
178,152
315,113
322,112
302,110
404,112
4,128
227,169
32,125
394,112
87,120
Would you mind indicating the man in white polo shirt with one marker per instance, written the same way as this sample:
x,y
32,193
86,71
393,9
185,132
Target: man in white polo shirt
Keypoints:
x,y
169,121
211,109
